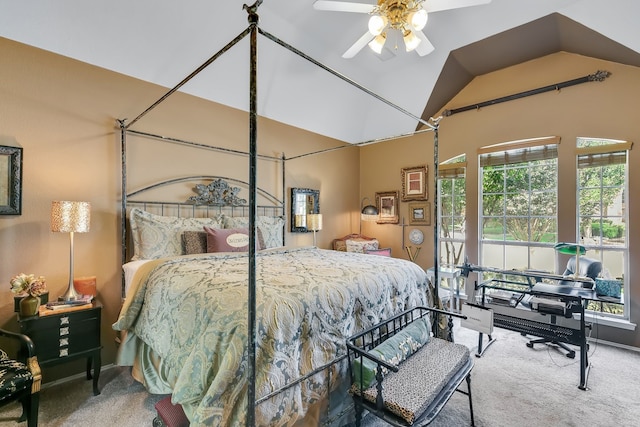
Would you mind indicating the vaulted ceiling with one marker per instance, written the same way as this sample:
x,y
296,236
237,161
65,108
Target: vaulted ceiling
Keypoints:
x,y
163,41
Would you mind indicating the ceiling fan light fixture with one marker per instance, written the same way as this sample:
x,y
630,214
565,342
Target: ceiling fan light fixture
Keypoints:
x,y
377,23
418,19
377,43
411,41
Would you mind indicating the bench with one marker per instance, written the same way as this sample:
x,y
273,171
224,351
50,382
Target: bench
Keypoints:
x,y
402,374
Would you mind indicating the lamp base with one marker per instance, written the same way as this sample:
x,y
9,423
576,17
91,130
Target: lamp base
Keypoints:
x,y
70,294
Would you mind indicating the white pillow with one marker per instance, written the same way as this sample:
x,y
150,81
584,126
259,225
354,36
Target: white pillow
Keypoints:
x,y
157,236
360,246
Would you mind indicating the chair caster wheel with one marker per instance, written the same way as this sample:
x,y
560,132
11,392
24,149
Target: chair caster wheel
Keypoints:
x,y
530,344
571,355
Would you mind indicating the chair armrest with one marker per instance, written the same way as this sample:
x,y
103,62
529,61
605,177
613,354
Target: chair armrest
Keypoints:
x,y
26,345
31,360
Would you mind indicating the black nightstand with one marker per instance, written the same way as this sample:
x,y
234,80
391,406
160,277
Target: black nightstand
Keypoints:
x,y
60,338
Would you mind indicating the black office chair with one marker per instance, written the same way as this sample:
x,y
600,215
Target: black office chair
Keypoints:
x,y
588,267
20,378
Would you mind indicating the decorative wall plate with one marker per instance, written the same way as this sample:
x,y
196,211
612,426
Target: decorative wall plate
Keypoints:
x,y
416,236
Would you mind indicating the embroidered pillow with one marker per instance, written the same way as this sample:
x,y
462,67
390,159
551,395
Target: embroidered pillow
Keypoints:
x,y
393,350
229,239
271,228
157,236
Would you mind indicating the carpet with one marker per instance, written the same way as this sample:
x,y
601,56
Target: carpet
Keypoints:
x,y
512,385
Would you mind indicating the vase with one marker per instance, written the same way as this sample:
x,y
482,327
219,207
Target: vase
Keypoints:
x,y
29,305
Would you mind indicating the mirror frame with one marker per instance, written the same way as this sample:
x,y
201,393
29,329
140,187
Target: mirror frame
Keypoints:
x,y
11,196
309,194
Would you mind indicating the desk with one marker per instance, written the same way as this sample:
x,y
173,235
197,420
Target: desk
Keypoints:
x,y
573,300
451,275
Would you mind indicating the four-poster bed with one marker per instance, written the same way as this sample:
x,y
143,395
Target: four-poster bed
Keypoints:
x,y
242,358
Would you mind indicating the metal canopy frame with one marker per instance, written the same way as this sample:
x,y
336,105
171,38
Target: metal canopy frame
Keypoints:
x,y
252,31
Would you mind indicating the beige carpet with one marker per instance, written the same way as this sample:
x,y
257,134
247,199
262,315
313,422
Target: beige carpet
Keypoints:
x,y
512,385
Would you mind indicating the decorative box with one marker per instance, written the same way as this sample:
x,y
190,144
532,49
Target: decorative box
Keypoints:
x,y
44,298
608,287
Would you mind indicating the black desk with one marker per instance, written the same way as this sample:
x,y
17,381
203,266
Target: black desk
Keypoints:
x,y
571,302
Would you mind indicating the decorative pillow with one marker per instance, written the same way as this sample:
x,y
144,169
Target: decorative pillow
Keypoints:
x,y
271,228
157,236
229,239
360,246
393,350
194,242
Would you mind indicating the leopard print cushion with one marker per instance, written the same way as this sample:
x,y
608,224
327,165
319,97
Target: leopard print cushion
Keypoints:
x,y
14,377
408,392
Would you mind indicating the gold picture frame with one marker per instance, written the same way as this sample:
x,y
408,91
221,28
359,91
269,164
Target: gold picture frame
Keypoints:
x,y
387,204
420,213
414,183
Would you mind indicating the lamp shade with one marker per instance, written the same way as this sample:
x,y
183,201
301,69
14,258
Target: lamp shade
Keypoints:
x,y
369,213
70,217
314,222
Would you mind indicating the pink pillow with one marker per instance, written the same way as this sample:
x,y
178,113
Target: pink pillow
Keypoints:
x,y
229,239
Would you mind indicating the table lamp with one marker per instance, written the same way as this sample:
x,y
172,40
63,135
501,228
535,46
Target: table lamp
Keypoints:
x,y
314,223
70,217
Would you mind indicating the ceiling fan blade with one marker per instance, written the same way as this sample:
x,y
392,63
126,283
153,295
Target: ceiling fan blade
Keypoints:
x,y
425,47
341,6
438,5
358,45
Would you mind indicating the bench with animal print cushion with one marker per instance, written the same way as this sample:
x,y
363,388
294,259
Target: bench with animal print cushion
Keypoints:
x,y
404,375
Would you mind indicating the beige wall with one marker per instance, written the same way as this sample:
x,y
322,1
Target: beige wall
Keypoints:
x,y
63,114
595,109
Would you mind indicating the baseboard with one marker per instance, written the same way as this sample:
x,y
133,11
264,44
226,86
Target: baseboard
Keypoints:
x,y
74,377
614,344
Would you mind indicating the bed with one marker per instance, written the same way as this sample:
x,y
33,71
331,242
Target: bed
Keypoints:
x,y
186,323
257,337
184,319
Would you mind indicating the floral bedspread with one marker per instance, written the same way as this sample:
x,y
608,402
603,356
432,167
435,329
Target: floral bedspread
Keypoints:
x,y
192,311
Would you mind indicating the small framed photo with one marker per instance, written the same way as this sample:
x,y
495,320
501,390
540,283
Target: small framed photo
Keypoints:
x,y
387,204
419,213
414,183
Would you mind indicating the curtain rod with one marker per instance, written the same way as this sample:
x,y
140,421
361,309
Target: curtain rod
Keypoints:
x,y
598,76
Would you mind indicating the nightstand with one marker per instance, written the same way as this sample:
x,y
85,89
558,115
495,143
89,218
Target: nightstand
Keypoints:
x,y
60,338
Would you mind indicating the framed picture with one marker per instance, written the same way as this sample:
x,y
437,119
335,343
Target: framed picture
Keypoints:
x,y
414,183
10,180
387,204
420,213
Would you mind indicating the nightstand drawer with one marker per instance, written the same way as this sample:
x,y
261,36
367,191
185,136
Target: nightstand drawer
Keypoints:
x,y
63,335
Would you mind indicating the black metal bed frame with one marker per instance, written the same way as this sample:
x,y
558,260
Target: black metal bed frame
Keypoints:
x,y
252,31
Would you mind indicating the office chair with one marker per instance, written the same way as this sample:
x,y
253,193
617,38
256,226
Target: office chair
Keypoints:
x,y
587,267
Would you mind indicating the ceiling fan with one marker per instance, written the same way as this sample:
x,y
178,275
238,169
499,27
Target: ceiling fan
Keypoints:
x,y
408,17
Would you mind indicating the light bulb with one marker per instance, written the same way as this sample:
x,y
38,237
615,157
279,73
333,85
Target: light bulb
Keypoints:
x,y
377,24
411,41
418,19
377,43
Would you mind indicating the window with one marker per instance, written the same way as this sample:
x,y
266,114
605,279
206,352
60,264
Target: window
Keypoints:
x,y
518,204
452,202
602,184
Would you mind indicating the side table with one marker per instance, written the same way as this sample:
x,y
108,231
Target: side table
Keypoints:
x,y
60,338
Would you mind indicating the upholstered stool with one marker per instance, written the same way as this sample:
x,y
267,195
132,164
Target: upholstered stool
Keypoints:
x,y
169,415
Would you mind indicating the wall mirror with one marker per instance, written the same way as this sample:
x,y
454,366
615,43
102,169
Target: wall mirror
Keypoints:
x,y
304,201
10,180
